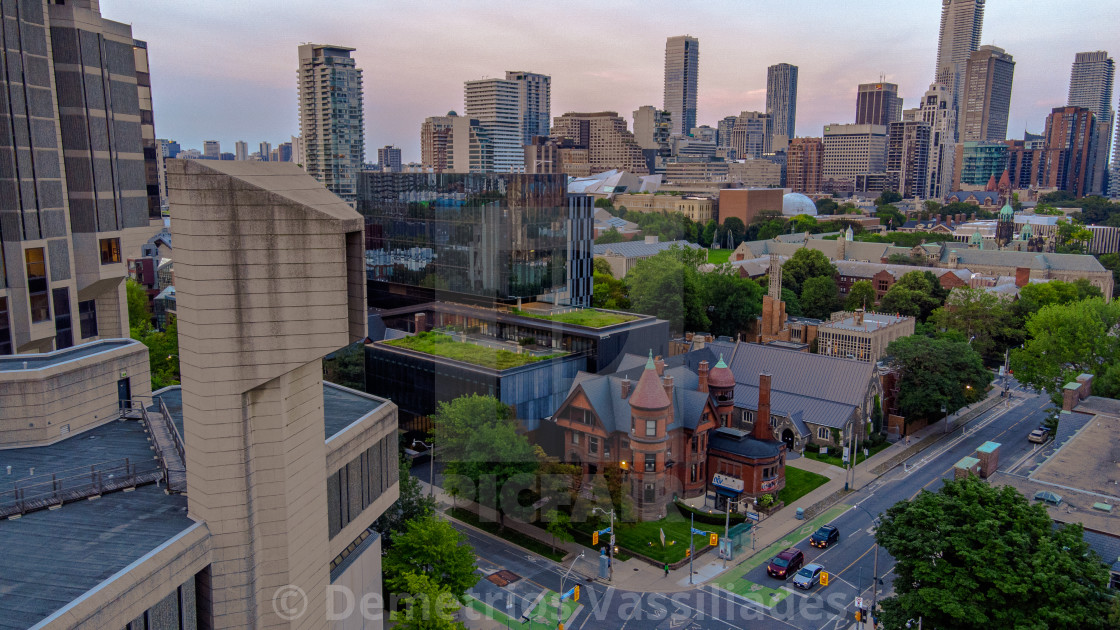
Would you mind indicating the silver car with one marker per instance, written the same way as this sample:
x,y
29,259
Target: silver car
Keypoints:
x,y
808,577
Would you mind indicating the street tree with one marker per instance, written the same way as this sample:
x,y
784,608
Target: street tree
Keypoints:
x,y
139,315
731,301
483,449
936,372
976,556
861,295
1065,340
915,294
984,317
609,236
428,605
410,505
804,264
559,526
1033,297
431,546
668,286
819,297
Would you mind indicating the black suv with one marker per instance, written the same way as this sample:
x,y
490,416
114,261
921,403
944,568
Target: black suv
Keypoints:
x,y
825,537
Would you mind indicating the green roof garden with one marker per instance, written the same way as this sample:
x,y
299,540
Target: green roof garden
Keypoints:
x,y
588,317
441,345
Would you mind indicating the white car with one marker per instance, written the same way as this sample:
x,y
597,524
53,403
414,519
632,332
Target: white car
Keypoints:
x,y
808,577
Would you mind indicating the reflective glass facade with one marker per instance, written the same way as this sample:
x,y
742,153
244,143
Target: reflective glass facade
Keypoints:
x,y
494,236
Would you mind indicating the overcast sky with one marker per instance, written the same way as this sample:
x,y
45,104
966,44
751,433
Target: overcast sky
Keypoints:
x,y
226,70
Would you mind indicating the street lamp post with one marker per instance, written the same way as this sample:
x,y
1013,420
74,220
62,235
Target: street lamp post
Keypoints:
x,y
431,466
875,563
610,542
560,600
945,412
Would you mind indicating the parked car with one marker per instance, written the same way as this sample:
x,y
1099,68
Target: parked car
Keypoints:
x,y
825,537
1039,435
785,563
808,577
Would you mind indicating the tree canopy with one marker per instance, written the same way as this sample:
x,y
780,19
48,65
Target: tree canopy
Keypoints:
x,y
862,294
1066,340
733,302
669,287
431,546
804,264
429,606
985,317
411,504
819,297
915,294
936,372
976,556
609,236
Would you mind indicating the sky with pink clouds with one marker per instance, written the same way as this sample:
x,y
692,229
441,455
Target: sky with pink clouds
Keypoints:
x,y
225,69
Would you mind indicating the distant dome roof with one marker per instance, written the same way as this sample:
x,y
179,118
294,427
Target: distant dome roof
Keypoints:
x,y
452,113
720,375
794,204
1006,211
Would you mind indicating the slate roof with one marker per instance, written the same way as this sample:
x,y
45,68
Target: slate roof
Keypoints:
x,y
813,375
807,408
1008,258
640,249
605,395
981,195
859,269
740,443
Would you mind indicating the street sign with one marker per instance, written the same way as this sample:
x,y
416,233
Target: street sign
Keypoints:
x,y
569,593
753,516
824,578
698,532
846,454
859,602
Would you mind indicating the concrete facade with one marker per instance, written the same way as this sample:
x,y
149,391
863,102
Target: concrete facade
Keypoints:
x,y
699,209
803,165
860,335
746,203
987,95
850,150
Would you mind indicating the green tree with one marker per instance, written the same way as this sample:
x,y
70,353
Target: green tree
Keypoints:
x,y
604,203
804,264
139,313
1033,297
932,207
975,556
411,504
430,546
600,265
347,367
559,525
793,303
889,215
887,197
819,297
609,236
915,294
732,302
668,286
769,229
985,317
479,438
826,205
1065,340
1072,237
428,606
936,372
804,223
1112,263
608,293
861,295
737,228
711,229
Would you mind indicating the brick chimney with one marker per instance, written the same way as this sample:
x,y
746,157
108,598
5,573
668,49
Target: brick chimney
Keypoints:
x,y
1086,381
761,429
859,317
667,383
420,322
660,365
1022,276
1071,395
625,388
702,372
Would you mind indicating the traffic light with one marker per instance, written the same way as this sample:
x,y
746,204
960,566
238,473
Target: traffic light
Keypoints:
x,y
713,539
688,553
859,617
595,538
824,578
575,595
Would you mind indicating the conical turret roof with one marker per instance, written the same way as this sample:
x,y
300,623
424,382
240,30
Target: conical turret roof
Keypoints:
x,y
649,393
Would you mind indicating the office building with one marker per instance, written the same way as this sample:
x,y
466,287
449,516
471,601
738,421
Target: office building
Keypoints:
x,y
937,111
760,173
1069,158
154,174
283,152
781,103
723,131
987,95
1090,86
682,65
241,151
851,150
976,163
652,128
1025,161
859,335
908,156
389,159
473,237
331,117
455,144
265,149
961,24
534,102
495,104
604,136
878,104
803,165
750,136
211,150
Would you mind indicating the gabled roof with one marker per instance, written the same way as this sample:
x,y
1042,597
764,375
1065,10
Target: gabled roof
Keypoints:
x,y
799,407
604,393
1010,258
634,249
814,375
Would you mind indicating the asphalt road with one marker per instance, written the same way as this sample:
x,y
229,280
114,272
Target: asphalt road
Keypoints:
x,y
851,563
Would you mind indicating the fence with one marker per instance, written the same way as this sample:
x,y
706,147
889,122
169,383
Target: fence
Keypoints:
x,y
47,490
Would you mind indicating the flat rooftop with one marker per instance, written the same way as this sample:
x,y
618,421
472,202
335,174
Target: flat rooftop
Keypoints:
x,y
871,322
341,407
20,362
117,440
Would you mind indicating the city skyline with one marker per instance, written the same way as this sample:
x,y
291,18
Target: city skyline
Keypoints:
x,y
199,98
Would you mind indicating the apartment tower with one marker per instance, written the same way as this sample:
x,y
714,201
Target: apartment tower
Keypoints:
x,y
878,104
601,140
330,117
389,159
1068,153
961,24
781,103
803,166
908,156
241,151
495,104
682,64
987,95
534,101
1090,86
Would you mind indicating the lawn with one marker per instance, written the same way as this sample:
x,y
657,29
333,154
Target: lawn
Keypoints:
x,y
834,455
490,612
800,483
637,537
443,345
512,536
583,317
719,256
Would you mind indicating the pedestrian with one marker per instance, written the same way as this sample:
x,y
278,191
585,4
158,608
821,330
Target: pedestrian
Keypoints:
x,y
666,569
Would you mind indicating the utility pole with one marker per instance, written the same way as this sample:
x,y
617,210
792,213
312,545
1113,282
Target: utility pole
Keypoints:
x,y
727,530
691,545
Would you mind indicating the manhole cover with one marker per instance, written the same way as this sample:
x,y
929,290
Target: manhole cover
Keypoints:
x,y
509,576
